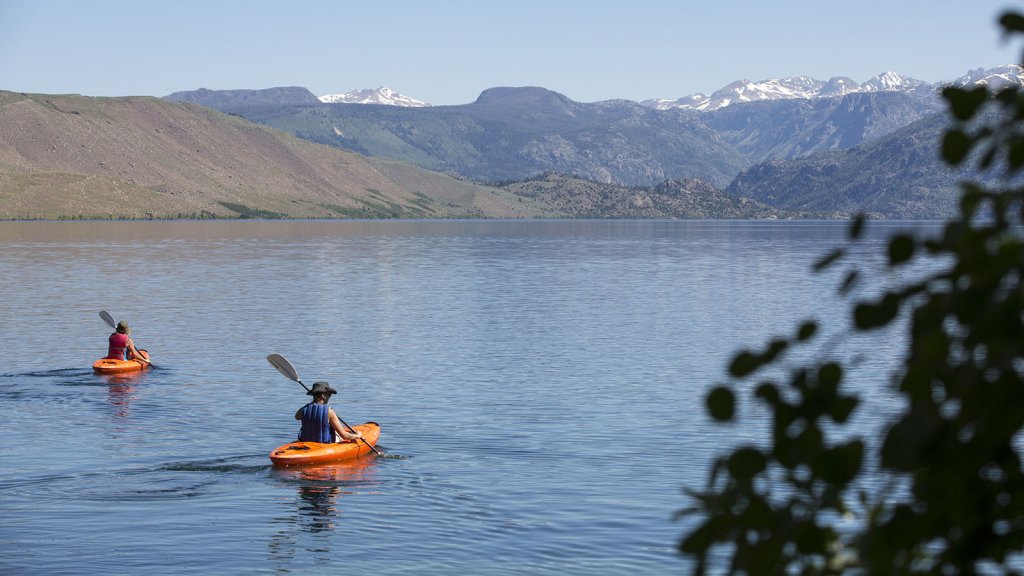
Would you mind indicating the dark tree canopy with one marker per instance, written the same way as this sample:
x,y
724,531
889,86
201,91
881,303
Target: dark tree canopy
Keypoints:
x,y
955,448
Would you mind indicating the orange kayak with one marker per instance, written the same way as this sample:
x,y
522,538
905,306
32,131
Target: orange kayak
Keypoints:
x,y
304,453
115,366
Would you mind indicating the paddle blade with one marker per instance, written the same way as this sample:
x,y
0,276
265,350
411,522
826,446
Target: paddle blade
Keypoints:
x,y
108,318
283,366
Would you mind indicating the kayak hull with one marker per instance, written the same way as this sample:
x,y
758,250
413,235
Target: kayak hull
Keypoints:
x,y
115,366
306,453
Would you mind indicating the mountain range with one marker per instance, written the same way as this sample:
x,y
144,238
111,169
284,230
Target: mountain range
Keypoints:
x,y
833,149
140,157
796,87
515,133
806,88
744,91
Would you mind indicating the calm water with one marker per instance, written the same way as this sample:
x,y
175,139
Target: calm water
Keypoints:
x,y
539,386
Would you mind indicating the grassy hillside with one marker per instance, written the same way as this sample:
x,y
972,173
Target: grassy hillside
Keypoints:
x,y
81,157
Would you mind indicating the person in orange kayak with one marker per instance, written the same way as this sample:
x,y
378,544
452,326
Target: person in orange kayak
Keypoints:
x,y
121,346
319,422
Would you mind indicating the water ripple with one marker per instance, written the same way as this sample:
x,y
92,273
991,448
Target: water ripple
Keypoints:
x,y
540,384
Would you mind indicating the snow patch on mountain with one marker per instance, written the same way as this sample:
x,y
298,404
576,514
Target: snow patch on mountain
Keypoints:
x,y
994,78
803,87
745,91
891,82
383,96
838,86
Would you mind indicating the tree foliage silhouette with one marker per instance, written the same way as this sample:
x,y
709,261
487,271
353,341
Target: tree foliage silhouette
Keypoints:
x,y
952,454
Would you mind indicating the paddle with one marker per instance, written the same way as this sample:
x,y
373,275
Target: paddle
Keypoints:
x,y
110,321
288,371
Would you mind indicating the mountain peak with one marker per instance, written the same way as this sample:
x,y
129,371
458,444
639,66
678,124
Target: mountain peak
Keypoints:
x,y
995,78
521,94
839,86
382,95
528,100
891,82
746,91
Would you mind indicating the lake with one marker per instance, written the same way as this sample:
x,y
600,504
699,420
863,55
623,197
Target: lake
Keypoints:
x,y
539,384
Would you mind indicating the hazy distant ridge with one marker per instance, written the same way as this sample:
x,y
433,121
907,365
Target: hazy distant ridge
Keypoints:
x,y
284,96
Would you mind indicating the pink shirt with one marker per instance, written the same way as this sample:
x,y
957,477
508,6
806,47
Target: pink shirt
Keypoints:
x,y
118,343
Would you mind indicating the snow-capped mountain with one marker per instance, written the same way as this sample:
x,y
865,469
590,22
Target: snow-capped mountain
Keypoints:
x,y
382,95
891,82
838,86
803,87
745,91
994,78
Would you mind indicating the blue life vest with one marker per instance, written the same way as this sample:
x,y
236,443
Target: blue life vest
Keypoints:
x,y
316,424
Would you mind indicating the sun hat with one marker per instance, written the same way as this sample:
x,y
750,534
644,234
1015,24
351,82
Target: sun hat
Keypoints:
x,y
321,388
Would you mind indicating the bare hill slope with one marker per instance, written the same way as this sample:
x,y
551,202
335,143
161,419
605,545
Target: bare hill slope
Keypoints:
x,y
73,156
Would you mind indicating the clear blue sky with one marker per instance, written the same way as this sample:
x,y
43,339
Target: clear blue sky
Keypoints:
x,y
448,51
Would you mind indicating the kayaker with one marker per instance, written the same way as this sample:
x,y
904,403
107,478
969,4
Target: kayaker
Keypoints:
x,y
121,347
319,419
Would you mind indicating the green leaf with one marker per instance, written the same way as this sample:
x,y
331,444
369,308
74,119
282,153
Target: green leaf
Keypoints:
x,y
700,540
901,249
1017,154
1012,22
829,259
743,364
745,463
810,539
857,225
776,347
842,408
768,392
829,375
867,316
955,146
964,103
987,158
970,200
806,331
841,464
849,282
721,404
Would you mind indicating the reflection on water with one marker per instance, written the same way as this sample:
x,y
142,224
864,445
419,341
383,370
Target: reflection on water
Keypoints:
x,y
321,486
121,393
320,492
318,507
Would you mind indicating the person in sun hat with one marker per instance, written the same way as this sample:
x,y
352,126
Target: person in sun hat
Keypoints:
x,y
121,347
319,422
